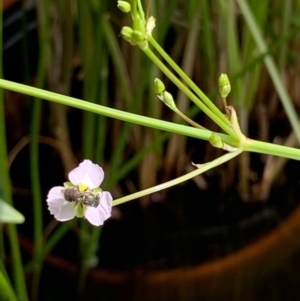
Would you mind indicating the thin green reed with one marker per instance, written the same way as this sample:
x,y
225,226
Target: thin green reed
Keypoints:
x,y
286,9
89,42
6,193
207,45
43,9
25,44
270,65
164,11
253,76
101,127
6,290
51,240
66,11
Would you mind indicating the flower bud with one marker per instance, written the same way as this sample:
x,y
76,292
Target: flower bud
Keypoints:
x,y
124,6
126,33
216,141
168,100
224,85
159,86
137,36
139,24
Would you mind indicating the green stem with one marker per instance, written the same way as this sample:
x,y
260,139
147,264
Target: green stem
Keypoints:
x,y
188,120
271,149
190,83
188,176
6,291
43,18
114,113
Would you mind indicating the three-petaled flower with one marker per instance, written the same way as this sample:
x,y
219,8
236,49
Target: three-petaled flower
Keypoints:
x,y
82,196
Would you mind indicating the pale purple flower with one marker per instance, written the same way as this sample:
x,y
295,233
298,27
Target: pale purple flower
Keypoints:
x,y
85,181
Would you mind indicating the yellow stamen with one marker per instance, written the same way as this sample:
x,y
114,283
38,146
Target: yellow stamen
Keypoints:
x,y
82,187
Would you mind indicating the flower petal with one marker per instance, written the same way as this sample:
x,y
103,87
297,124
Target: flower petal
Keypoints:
x,y
97,216
87,173
106,203
56,192
58,206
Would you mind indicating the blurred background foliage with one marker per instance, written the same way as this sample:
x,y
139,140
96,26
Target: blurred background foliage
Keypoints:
x,y
74,48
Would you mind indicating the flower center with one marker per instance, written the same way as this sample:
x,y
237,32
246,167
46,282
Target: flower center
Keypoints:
x,y
82,187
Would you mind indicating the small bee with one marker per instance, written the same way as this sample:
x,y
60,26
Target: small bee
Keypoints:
x,y
88,198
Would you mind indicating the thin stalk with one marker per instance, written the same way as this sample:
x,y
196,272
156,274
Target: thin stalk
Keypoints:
x,y
207,40
188,120
89,41
101,120
204,167
223,125
285,19
6,291
189,82
43,19
252,77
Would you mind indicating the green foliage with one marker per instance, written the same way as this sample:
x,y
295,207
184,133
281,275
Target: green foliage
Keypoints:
x,y
9,215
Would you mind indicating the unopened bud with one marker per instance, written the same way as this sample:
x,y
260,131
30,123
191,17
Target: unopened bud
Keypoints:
x,y
126,33
124,6
224,85
159,86
139,24
216,141
168,100
137,36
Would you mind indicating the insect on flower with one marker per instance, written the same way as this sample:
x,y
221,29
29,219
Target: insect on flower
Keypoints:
x,y
87,198
82,196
